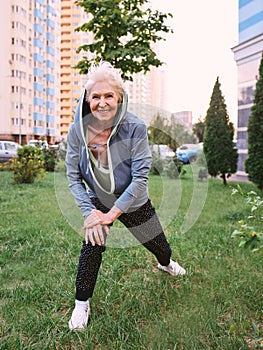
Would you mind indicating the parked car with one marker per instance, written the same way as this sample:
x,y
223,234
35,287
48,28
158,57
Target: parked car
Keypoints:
x,y
163,151
38,143
188,152
8,149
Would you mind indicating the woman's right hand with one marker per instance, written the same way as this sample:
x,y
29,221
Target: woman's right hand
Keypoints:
x,y
97,234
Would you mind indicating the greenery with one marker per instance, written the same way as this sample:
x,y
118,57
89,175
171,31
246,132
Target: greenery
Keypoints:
x,y
254,162
250,230
157,165
217,305
169,132
27,165
124,32
174,168
219,149
199,129
50,158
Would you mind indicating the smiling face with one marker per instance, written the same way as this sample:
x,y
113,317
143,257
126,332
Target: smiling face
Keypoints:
x,y
103,100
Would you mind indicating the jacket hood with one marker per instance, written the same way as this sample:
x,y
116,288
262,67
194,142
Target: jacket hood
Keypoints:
x,y
83,114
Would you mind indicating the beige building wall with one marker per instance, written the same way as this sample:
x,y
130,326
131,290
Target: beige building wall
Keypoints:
x,y
72,82
5,70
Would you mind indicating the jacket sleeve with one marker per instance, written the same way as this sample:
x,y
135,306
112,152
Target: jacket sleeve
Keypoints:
x,y
141,159
76,184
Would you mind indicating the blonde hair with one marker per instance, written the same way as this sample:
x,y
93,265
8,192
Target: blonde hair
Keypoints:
x,y
105,71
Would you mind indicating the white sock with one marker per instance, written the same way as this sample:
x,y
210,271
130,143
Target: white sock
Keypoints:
x,y
82,305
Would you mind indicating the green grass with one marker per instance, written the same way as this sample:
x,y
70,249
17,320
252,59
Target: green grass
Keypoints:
x,y
217,305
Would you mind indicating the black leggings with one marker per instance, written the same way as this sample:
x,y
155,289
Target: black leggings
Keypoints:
x,y
143,224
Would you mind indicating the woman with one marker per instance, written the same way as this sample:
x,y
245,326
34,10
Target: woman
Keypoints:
x,y
108,151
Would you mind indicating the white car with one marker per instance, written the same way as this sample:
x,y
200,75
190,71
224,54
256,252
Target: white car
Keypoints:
x,y
38,143
8,149
163,151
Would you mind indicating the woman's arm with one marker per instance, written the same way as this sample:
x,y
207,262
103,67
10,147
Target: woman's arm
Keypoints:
x,y
76,185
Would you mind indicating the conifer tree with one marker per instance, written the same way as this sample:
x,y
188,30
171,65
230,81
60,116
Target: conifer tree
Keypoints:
x,y
199,129
219,149
254,162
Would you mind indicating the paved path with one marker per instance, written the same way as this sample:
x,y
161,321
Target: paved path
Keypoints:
x,y
239,178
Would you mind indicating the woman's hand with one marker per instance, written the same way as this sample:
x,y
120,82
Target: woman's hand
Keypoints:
x,y
97,234
97,217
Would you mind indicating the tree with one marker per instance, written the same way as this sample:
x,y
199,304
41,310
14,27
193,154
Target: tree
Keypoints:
x,y
254,162
158,131
221,154
179,134
123,31
199,129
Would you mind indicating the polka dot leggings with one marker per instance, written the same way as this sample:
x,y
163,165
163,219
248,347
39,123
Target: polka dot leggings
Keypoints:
x,y
143,224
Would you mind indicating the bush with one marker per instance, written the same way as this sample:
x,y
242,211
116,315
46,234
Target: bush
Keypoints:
x,y
202,174
157,165
174,168
250,232
27,165
50,158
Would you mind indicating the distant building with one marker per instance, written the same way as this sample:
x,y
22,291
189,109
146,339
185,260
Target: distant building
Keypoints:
x,y
247,55
185,118
30,70
145,94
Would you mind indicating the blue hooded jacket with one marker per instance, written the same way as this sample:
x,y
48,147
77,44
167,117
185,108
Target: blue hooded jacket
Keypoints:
x,y
129,161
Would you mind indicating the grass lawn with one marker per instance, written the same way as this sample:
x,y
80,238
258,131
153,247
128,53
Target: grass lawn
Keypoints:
x,y
217,305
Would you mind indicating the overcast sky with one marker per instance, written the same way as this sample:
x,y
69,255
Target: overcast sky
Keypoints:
x,y
198,51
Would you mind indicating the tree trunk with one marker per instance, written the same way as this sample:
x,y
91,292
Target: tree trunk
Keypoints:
x,y
224,179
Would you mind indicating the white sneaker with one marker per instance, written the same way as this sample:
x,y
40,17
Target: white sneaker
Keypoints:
x,y
173,268
79,318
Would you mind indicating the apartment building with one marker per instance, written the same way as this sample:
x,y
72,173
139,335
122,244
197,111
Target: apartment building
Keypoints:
x,y
30,70
247,55
72,82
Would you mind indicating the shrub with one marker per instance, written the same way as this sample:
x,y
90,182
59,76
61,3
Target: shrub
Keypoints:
x,y
250,231
50,158
27,165
174,168
157,165
202,174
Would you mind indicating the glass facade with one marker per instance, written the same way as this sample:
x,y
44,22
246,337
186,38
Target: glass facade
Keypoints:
x,y
248,55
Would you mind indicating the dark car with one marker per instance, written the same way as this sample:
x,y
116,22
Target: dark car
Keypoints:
x,y
8,149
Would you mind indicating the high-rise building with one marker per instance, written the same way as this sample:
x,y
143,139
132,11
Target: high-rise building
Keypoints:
x,y
72,82
30,70
247,55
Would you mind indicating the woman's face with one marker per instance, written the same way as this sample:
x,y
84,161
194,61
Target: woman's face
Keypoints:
x,y
103,100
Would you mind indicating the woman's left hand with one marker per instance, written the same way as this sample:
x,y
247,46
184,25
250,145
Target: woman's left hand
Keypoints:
x,y
96,217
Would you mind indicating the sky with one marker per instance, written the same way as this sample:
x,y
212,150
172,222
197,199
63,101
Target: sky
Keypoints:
x,y
198,52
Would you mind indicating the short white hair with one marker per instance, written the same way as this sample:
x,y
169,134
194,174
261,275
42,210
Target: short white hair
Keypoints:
x,y
105,71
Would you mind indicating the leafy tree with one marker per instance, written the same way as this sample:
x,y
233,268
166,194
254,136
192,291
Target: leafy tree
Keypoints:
x,y
179,134
254,162
158,131
219,149
123,31
162,131
199,129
